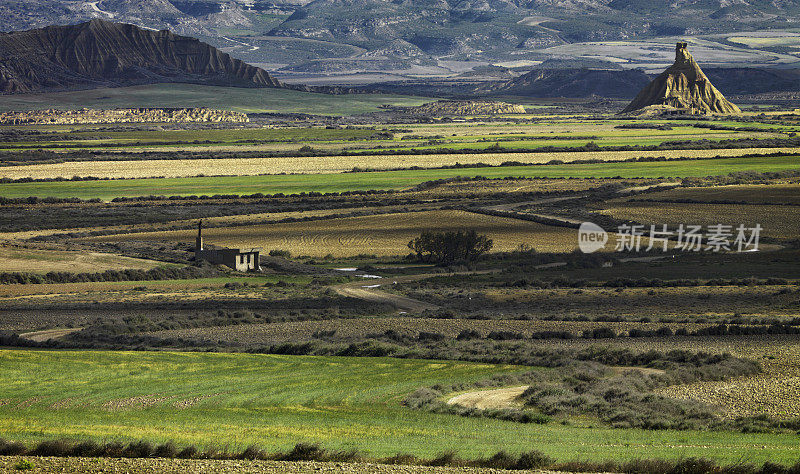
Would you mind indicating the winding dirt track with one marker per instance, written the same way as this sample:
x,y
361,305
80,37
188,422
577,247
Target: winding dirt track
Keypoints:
x,y
404,304
507,397
369,290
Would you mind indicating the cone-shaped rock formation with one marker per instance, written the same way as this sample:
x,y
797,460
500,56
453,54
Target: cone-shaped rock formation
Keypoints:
x,y
683,86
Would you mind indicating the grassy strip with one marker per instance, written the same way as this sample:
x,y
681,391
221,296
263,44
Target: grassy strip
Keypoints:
x,y
383,180
239,99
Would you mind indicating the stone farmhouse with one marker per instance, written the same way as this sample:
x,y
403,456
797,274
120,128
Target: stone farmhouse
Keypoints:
x,y
242,260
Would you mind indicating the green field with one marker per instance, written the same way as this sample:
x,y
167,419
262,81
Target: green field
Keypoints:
x,y
275,401
227,98
559,134
85,136
326,183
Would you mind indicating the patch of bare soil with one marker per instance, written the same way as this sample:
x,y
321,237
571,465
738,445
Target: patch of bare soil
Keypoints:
x,y
41,336
507,397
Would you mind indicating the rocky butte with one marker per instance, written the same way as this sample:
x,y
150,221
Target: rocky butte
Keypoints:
x,y
682,88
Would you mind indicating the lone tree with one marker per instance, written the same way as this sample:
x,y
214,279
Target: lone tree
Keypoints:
x,y
447,247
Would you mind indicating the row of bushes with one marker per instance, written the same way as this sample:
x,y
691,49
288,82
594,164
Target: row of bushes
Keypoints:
x,y
740,177
562,282
736,319
315,452
55,200
609,333
716,201
160,273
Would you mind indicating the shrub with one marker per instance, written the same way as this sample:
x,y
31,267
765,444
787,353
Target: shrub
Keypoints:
x,y
304,452
52,448
445,248
166,450
533,460
9,448
138,449
500,460
252,452
24,465
86,449
448,458
188,452
280,253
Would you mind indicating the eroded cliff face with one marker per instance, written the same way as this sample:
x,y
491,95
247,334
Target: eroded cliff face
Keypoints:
x,y
683,86
465,107
103,53
120,116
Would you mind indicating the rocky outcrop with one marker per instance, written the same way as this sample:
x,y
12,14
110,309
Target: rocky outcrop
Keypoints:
x,y
101,53
465,107
121,116
683,87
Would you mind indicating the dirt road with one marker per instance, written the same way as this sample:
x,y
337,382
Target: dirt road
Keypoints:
x,y
370,290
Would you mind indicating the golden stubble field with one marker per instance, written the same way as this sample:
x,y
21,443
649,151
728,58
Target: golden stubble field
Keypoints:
x,y
331,164
30,260
214,221
385,234
531,185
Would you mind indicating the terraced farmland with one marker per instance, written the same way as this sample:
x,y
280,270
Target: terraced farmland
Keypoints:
x,y
383,180
332,164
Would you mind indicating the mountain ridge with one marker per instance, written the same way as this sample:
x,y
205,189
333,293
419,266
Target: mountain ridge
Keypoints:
x,y
101,53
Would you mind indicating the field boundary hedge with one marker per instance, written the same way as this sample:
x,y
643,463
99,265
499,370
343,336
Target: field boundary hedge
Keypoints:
x,y
315,452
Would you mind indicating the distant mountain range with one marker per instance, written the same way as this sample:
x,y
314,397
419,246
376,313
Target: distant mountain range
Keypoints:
x,y
298,38
101,53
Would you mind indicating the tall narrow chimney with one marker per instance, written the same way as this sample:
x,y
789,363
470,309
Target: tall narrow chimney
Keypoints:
x,y
198,243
